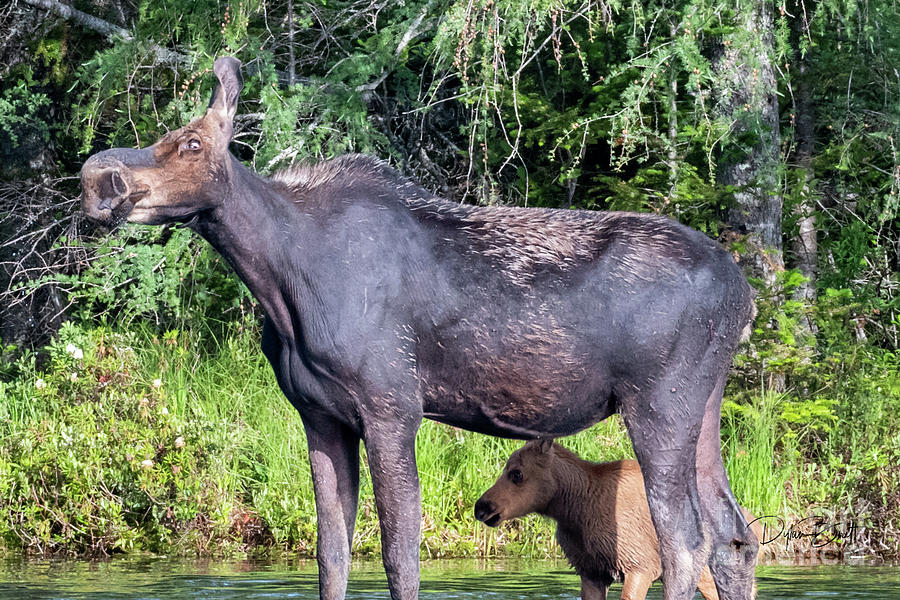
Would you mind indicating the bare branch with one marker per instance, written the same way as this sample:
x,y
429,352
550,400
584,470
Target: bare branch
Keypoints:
x,y
85,20
37,222
110,30
412,33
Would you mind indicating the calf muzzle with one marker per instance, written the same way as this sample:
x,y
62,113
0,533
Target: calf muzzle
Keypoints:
x,y
486,512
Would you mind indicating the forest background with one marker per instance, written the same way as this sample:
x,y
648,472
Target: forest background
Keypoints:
x,y
136,411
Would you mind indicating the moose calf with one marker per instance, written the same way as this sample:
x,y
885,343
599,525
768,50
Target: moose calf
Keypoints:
x,y
603,520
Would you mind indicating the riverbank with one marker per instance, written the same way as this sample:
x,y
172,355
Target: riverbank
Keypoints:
x,y
181,444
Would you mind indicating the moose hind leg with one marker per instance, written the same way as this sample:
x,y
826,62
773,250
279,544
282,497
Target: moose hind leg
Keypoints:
x,y
334,460
734,545
664,426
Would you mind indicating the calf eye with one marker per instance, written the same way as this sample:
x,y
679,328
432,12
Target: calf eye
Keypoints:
x,y
516,477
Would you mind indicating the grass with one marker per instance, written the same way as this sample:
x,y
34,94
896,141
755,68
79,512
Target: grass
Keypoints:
x,y
750,451
183,444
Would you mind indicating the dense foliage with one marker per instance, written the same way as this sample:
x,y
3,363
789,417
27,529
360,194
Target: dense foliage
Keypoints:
x,y
650,106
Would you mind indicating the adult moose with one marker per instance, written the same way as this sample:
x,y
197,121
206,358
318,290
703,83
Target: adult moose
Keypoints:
x,y
385,305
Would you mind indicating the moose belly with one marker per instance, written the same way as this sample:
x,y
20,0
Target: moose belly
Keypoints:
x,y
525,392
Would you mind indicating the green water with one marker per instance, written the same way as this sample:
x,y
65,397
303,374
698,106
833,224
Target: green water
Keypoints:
x,y
162,579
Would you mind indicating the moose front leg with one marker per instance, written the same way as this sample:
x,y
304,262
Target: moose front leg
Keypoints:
x,y
390,446
334,459
734,544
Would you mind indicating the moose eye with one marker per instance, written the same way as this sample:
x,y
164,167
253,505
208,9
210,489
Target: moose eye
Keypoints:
x,y
516,477
191,145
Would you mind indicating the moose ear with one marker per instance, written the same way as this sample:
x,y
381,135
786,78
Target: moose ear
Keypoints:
x,y
544,444
225,97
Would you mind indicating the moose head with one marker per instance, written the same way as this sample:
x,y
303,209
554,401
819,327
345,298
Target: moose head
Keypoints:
x,y
186,172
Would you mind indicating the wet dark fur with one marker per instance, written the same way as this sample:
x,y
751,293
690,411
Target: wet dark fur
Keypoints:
x,y
507,274
385,305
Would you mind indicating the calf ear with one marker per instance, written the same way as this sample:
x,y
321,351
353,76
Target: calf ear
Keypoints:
x,y
544,444
225,97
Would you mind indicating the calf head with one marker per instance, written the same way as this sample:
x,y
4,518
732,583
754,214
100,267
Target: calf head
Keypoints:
x,y
527,485
186,172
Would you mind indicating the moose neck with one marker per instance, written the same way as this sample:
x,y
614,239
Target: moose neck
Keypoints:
x,y
248,230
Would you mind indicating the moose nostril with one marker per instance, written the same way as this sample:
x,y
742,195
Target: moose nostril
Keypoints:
x,y
118,184
110,186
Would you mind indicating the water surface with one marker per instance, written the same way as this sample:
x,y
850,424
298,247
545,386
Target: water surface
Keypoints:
x,y
165,579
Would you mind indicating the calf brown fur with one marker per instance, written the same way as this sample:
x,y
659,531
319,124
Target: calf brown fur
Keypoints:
x,y
603,519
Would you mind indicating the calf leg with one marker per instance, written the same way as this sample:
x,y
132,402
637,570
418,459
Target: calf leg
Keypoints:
x,y
334,459
395,479
734,544
636,585
592,591
707,586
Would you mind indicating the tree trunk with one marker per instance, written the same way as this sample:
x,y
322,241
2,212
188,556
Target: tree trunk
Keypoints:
x,y
292,60
804,245
746,97
671,98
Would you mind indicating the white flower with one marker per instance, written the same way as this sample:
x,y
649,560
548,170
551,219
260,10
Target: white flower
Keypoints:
x,y
40,383
75,351
146,464
73,377
179,442
163,411
157,383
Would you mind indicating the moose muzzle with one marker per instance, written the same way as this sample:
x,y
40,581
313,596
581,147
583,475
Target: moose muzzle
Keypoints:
x,y
109,190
